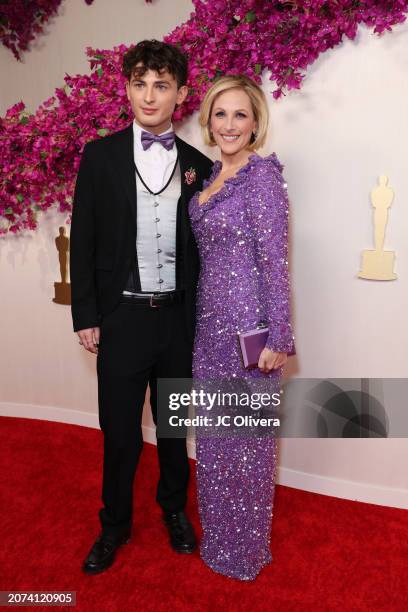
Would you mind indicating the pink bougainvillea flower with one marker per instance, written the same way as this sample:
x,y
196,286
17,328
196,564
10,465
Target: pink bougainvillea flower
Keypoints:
x,y
21,21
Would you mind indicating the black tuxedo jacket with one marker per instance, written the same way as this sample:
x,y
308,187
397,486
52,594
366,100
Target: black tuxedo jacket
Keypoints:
x,y
103,228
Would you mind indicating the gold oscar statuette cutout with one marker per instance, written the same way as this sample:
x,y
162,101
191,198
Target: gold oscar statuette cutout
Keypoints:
x,y
62,289
379,264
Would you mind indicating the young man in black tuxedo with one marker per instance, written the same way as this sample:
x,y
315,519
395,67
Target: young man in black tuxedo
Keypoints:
x,y
134,269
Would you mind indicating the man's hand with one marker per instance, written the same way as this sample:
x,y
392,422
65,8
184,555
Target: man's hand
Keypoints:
x,y
268,360
89,338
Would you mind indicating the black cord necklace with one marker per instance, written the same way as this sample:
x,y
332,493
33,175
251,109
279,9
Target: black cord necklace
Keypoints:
x,y
166,185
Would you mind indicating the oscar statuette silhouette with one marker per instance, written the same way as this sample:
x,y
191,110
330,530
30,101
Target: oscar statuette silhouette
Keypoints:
x,y
62,289
379,264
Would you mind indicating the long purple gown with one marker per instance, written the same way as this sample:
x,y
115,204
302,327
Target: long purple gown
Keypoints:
x,y
241,234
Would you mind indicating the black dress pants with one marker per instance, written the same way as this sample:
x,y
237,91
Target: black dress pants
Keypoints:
x,y
139,344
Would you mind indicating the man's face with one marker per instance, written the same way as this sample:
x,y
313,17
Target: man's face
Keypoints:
x,y
153,98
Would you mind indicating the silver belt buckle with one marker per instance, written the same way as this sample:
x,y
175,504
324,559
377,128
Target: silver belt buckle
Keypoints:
x,y
151,302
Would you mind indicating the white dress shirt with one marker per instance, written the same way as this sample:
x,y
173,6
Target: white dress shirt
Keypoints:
x,y
156,215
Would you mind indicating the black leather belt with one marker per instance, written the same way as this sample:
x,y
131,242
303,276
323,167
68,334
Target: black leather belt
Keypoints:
x,y
154,300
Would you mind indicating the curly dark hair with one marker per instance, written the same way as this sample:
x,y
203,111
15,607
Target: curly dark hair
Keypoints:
x,y
158,56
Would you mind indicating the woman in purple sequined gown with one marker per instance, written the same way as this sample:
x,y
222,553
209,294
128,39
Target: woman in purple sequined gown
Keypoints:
x,y
240,223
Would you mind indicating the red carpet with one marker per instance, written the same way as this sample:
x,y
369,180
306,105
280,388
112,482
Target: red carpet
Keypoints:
x,y
329,554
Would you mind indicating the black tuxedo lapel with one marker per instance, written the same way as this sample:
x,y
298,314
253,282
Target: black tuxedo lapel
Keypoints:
x,y
123,159
187,191
183,228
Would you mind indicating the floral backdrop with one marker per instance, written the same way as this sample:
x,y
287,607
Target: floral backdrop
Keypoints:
x,y
40,152
21,21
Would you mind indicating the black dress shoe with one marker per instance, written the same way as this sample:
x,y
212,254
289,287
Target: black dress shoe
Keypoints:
x,y
102,554
181,532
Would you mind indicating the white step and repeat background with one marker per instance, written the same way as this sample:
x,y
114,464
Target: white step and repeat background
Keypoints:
x,y
346,126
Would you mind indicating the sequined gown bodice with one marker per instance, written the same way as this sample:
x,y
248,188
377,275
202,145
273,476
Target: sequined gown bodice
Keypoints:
x,y
241,234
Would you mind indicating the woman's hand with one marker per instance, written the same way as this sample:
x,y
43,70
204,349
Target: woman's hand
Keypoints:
x,y
268,360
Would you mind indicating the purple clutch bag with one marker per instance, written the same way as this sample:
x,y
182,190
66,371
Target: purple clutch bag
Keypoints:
x,y
252,343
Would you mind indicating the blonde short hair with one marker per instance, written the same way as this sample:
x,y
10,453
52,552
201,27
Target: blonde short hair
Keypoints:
x,y
258,103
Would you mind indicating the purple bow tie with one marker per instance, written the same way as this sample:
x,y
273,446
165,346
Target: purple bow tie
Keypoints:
x,y
167,140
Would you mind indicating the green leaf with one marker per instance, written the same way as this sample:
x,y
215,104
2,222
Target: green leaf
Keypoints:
x,y
98,56
8,211
19,197
24,120
43,154
37,207
102,132
251,16
100,72
258,68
